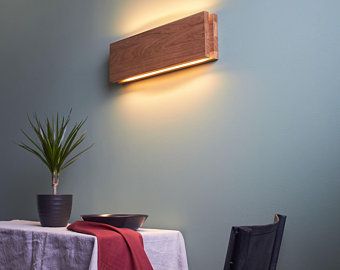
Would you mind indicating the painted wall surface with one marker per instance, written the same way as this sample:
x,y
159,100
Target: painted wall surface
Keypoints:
x,y
199,150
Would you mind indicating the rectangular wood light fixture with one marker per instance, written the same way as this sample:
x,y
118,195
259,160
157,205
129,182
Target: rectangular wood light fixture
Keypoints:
x,y
187,42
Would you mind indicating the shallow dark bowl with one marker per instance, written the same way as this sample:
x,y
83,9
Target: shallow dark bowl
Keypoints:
x,y
131,221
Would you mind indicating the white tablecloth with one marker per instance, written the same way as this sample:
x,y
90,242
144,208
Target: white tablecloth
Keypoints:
x,y
27,245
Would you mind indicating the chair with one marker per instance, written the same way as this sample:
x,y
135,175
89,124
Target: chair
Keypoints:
x,y
255,247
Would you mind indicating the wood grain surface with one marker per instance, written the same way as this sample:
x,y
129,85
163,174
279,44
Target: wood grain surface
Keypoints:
x,y
186,40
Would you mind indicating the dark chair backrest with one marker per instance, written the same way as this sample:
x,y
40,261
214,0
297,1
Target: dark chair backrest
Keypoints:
x,y
255,247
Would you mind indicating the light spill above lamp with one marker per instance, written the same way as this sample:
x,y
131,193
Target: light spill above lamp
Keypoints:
x,y
187,42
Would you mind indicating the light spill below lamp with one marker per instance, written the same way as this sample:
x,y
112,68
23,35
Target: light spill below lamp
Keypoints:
x,y
187,42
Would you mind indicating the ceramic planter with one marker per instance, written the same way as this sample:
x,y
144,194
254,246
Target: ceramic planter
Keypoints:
x,y
54,210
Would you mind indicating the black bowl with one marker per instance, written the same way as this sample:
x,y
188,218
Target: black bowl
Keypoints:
x,y
131,221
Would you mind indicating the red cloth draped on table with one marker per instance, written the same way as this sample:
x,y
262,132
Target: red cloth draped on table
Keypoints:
x,y
118,248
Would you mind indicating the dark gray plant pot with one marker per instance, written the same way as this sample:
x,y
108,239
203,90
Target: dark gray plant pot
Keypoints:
x,y
54,210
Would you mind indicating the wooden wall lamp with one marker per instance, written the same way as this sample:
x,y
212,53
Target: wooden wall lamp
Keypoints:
x,y
187,42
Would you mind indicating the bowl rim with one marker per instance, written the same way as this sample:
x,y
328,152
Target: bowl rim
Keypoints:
x,y
113,215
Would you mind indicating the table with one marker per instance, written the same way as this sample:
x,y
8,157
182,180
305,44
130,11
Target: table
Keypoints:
x,y
26,245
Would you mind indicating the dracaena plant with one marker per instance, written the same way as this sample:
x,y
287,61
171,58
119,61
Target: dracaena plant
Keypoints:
x,y
53,146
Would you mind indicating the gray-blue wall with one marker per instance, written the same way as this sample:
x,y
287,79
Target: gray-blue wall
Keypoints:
x,y
199,150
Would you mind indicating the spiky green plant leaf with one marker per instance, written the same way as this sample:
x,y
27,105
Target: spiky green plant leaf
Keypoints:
x,y
51,143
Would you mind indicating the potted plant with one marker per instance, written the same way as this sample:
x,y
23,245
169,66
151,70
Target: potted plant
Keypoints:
x,y
57,150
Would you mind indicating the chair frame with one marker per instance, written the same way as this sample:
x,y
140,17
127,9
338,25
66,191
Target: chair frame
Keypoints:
x,y
244,234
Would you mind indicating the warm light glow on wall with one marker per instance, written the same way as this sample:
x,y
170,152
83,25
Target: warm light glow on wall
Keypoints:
x,y
164,70
147,106
148,14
